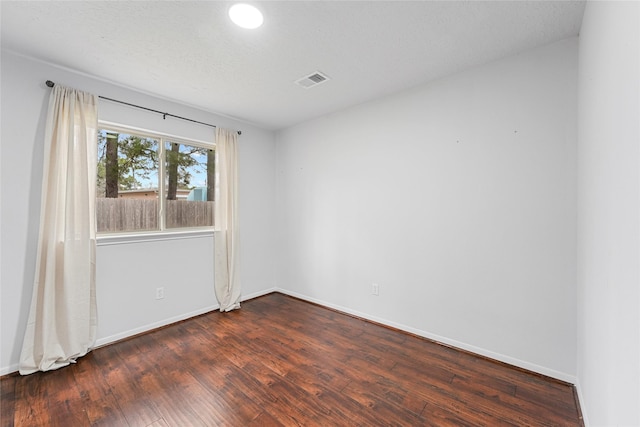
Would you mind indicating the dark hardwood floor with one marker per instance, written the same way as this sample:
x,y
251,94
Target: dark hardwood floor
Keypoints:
x,y
280,361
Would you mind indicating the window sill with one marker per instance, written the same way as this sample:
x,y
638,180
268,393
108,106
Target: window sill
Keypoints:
x,y
123,239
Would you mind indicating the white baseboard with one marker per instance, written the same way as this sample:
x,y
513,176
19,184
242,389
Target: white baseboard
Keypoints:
x,y
581,403
100,342
259,294
444,340
126,334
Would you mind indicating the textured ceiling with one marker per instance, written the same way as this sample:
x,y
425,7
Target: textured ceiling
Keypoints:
x,y
190,52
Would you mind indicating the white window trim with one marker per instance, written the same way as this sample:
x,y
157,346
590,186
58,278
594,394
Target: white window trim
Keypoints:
x,y
151,133
126,237
107,239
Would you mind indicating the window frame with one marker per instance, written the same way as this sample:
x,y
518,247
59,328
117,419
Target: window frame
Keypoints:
x,y
162,233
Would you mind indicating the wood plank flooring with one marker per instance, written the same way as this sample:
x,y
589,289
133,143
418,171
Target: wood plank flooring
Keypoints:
x,y
280,361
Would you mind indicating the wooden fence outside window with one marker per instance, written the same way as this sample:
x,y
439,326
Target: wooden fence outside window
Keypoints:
x,y
128,214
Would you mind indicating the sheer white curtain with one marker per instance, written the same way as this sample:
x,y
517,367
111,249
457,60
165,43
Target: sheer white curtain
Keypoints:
x,y
227,281
62,318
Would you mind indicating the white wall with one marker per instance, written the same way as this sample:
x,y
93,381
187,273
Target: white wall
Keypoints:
x,y
608,360
127,274
457,198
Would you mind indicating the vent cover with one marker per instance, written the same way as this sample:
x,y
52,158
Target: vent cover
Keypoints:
x,y
312,80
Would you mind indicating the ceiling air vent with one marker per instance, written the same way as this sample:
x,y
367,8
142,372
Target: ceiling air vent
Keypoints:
x,y
312,80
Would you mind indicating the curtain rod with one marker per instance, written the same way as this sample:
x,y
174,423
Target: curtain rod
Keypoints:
x,y
49,83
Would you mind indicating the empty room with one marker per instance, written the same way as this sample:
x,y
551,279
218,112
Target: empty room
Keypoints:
x,y
352,213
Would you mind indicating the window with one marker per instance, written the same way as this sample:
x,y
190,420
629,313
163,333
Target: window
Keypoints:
x,y
151,182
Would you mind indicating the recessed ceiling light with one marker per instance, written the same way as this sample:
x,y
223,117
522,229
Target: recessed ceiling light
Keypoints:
x,y
245,16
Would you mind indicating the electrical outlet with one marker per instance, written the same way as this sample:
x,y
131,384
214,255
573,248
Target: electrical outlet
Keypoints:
x,y
159,293
375,289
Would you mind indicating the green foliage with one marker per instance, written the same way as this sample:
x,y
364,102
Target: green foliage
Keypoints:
x,y
137,159
138,162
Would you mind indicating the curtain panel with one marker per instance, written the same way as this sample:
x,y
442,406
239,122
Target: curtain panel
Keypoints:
x,y
227,240
62,318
